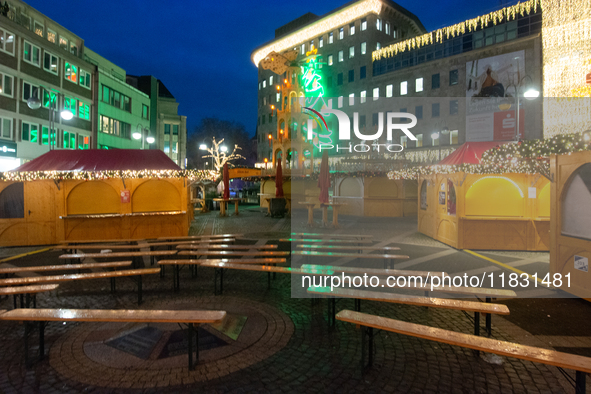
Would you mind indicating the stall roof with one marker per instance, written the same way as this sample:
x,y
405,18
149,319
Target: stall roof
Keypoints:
x,y
100,160
470,153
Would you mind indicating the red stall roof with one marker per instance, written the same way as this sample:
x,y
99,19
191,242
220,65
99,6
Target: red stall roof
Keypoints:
x,y
470,152
100,160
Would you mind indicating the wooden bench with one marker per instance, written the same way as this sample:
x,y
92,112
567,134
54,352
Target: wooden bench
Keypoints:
x,y
133,255
137,273
327,241
445,303
170,244
212,236
236,247
386,257
42,316
383,249
232,253
331,236
97,246
582,365
104,241
178,264
13,270
29,291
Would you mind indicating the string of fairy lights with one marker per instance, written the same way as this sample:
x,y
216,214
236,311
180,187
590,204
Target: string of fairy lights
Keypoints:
x,y
524,157
190,175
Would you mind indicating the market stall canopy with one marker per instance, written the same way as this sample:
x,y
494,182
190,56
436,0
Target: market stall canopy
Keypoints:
x,y
469,153
100,160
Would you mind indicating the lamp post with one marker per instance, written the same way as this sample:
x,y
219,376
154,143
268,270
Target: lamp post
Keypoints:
x,y
141,133
34,102
529,92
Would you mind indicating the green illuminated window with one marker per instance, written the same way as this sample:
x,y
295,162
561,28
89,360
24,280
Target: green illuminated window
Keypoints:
x,y
166,128
31,53
49,96
70,104
69,140
83,110
71,72
85,79
175,129
145,111
30,132
45,136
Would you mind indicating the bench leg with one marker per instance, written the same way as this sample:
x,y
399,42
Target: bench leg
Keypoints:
x,y
41,340
580,384
477,327
139,289
176,278
190,346
488,319
366,331
357,304
34,300
332,311
268,280
162,271
221,281
14,300
112,285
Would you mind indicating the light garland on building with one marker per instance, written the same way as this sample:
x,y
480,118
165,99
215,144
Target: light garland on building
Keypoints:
x,y
504,14
191,175
314,30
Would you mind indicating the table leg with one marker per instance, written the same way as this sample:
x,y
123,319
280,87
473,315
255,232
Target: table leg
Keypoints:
x,y
310,215
222,208
236,207
190,345
325,216
335,217
139,289
41,340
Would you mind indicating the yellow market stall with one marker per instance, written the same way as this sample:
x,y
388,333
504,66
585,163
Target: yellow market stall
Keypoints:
x,y
93,194
570,226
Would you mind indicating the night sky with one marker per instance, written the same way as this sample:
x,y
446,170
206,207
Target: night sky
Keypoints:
x,y
201,49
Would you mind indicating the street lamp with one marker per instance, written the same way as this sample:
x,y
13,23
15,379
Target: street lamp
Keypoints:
x,y
224,148
528,90
139,134
34,102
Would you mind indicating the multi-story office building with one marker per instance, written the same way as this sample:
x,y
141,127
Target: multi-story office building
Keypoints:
x,y
170,127
41,59
460,82
123,120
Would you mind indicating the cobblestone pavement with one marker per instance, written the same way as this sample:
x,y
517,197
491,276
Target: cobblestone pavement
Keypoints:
x,y
286,344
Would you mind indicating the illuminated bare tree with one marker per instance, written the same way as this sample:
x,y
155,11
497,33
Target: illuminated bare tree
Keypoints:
x,y
219,154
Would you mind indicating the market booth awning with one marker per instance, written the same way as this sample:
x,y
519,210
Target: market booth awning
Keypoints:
x,y
469,153
100,160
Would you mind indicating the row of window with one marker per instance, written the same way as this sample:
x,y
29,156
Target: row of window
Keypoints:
x,y
39,134
116,99
115,127
78,108
168,127
351,53
51,36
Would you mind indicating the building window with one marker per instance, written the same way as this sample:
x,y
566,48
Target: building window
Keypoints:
x,y
404,141
351,75
259,86
362,72
126,103
453,137
64,43
340,79
30,132
435,81
379,24
30,90
419,85
341,56
6,41
341,33
39,29
115,127
435,141
403,88
320,42
330,60
271,80
85,79
387,28
167,128
73,49
166,146
419,141
45,135
389,90
351,99
340,103
303,49
71,72
264,83
49,99
453,77
419,111
51,36
330,38
376,93
351,52
374,119
435,110
71,104
362,96
83,110
394,32
363,24
6,125
69,140
6,85
363,48
453,107
277,97
378,46
31,53
352,29
83,142
50,63
175,129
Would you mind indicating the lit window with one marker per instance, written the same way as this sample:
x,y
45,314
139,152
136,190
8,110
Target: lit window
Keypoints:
x,y
277,97
63,43
341,102
30,132
403,88
394,33
175,129
145,111
351,99
30,90
363,48
85,78
364,24
419,85
83,110
6,84
376,93
71,72
312,45
362,96
69,140
6,41
341,56
83,141
379,24
320,42
31,53
435,141
73,49
387,28
389,90
71,104
49,99
264,83
303,49
6,125
330,60
419,140
351,29
453,137
403,141
39,29
378,46
270,80
330,38
259,86
50,63
341,33
51,36
351,52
